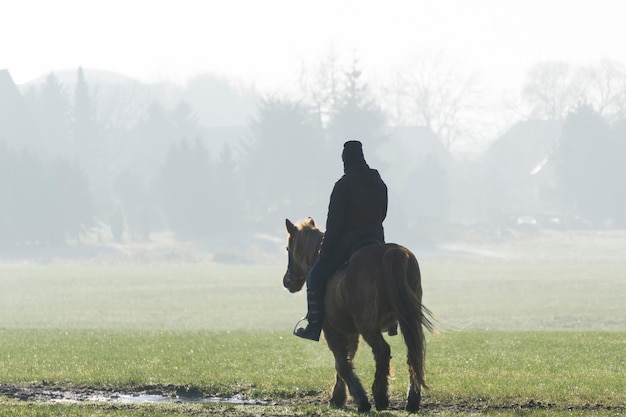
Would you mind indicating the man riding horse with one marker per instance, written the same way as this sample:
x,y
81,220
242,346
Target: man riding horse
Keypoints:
x,y
357,209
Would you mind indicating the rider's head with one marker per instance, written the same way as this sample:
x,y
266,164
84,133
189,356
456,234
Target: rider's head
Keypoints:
x,y
352,154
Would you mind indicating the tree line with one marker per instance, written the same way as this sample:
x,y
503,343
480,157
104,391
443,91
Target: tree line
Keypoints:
x,y
78,172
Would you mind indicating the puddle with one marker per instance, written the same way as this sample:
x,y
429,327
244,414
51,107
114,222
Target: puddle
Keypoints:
x,y
151,398
47,394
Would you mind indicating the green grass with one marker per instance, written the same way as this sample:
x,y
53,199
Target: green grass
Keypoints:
x,y
493,370
566,368
516,333
219,363
210,296
547,295
465,294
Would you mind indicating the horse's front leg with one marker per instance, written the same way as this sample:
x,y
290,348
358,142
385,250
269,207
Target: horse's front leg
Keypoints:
x,y
344,348
338,399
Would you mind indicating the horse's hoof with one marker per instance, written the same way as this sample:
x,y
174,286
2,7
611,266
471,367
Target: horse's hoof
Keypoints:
x,y
412,406
337,403
365,407
382,406
413,402
381,403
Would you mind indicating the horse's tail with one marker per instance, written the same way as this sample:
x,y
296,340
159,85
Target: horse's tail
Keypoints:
x,y
402,276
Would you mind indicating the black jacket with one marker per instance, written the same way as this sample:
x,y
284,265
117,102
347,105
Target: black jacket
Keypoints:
x,y
357,208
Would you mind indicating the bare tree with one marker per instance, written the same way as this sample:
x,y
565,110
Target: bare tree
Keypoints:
x,y
554,89
605,88
432,92
550,90
321,85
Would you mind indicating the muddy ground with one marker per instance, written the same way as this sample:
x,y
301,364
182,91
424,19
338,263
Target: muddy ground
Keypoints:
x,y
149,394
171,394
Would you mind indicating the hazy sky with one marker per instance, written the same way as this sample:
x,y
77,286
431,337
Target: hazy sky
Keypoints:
x,y
266,42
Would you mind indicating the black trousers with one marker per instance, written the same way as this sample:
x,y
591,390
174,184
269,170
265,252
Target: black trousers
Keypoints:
x,y
320,273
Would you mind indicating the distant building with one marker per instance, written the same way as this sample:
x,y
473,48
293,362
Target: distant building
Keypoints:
x,y
517,178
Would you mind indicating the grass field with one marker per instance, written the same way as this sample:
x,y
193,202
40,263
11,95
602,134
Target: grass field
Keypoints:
x,y
468,371
519,337
465,294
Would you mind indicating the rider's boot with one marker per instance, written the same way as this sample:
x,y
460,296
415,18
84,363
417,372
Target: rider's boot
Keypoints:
x,y
314,317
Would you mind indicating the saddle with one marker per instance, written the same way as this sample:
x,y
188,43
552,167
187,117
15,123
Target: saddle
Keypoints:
x,y
363,243
360,245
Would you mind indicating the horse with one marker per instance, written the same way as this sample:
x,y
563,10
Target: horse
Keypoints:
x,y
379,288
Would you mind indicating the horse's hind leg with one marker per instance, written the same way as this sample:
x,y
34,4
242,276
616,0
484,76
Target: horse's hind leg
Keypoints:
x,y
414,398
382,356
344,349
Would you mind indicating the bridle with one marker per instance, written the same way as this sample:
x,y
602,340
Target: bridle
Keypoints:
x,y
291,277
291,280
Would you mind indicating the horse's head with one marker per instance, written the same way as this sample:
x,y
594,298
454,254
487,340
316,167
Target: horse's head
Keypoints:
x,y
303,244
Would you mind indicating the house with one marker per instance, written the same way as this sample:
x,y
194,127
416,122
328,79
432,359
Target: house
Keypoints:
x,y
516,178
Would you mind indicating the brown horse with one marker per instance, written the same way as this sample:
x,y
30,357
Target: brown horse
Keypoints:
x,y
380,286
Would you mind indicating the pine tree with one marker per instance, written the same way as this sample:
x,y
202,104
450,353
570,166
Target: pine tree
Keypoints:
x,y
53,117
356,115
584,179
85,131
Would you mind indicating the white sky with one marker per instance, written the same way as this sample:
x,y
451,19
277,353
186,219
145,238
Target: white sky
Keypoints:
x,y
265,42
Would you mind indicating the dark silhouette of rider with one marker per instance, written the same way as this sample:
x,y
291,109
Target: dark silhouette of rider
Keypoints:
x,y
357,208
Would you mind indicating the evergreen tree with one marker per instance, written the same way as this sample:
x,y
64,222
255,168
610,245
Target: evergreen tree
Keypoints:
x,y
227,207
53,117
356,115
584,179
71,187
186,189
8,167
49,203
283,161
85,131
155,134
617,173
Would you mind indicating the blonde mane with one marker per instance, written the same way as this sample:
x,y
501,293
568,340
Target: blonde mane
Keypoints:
x,y
306,244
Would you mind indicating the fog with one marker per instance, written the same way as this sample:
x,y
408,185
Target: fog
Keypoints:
x,y
142,131
93,161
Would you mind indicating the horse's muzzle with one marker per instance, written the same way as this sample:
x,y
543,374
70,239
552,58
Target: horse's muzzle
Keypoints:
x,y
292,282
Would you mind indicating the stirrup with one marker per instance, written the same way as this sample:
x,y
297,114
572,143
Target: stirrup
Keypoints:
x,y
295,329
310,332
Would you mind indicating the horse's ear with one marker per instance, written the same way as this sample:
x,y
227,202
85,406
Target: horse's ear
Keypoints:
x,y
311,221
291,228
